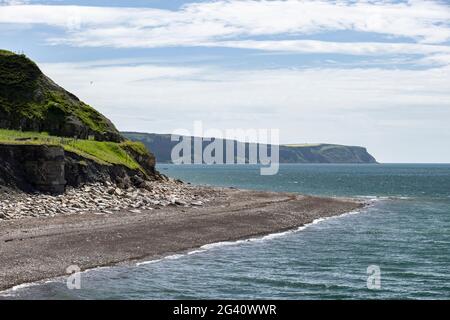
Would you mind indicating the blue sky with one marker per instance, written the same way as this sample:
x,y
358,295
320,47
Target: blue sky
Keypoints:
x,y
370,73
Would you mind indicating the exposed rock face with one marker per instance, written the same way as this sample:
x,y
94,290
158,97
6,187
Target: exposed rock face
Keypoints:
x,y
50,169
79,171
30,101
146,161
31,167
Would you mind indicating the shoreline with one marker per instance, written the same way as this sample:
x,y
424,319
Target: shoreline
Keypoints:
x,y
203,248
209,246
38,249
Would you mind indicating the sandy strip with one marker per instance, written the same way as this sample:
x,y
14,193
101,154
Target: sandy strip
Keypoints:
x,y
40,248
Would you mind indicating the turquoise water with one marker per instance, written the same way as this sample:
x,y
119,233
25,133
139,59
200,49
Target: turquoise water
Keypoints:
x,y
405,232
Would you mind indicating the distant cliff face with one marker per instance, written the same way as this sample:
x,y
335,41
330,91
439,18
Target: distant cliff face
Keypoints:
x,y
30,101
161,145
325,153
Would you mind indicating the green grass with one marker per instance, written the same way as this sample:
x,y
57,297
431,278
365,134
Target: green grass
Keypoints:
x,y
6,53
17,70
102,152
58,102
26,93
137,147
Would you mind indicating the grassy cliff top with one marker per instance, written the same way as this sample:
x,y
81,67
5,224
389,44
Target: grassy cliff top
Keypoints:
x,y
6,53
103,152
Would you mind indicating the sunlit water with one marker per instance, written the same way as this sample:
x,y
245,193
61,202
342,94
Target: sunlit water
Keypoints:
x,y
405,232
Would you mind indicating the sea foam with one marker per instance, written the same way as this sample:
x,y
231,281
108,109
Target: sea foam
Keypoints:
x,y
271,236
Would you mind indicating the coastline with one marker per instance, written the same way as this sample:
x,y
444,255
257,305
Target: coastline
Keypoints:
x,y
36,249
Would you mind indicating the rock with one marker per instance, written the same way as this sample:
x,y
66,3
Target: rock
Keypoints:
x,y
180,202
29,167
100,198
137,181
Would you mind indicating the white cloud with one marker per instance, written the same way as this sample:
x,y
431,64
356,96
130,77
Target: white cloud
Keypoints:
x,y
196,88
352,48
13,2
389,111
436,59
153,91
222,23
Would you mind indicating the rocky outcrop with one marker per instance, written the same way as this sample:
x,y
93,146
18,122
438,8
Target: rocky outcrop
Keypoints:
x,y
144,159
50,169
79,171
33,167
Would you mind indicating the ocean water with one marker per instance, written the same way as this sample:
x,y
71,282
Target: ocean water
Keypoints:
x,y
405,233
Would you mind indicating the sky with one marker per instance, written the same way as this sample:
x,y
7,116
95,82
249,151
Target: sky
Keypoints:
x,y
373,73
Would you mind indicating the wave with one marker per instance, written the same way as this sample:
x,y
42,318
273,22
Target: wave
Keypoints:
x,y
12,291
271,236
373,198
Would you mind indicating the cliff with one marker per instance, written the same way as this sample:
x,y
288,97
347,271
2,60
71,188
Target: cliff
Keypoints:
x,y
324,153
162,145
30,101
50,139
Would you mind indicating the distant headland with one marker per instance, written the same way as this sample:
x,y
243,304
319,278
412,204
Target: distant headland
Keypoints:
x,y
161,146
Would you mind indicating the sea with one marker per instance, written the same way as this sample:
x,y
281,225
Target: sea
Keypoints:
x,y
396,248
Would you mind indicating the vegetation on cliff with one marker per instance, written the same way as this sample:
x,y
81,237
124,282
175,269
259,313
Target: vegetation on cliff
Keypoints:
x,y
102,152
49,139
30,101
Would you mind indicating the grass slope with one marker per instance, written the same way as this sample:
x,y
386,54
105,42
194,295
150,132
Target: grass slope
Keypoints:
x,y
103,152
31,101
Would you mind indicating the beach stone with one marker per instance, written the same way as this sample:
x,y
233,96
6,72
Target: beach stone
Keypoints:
x,y
180,202
101,198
